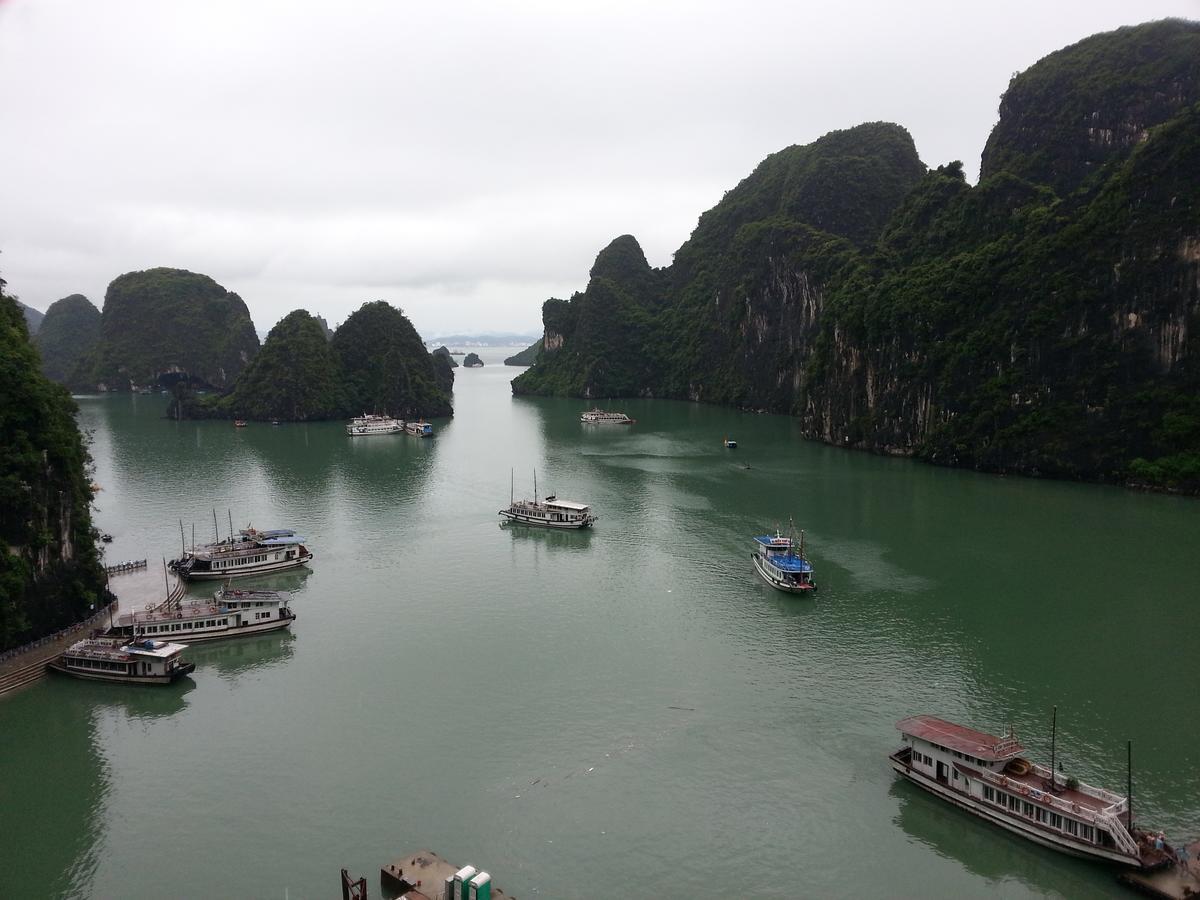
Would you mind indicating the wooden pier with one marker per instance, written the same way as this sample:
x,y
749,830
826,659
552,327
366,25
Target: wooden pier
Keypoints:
x,y
1177,882
421,876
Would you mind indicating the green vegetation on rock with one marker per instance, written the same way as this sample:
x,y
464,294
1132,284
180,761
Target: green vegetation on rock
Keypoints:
x,y
472,361
444,352
50,574
375,363
1044,321
527,357
172,323
68,336
294,377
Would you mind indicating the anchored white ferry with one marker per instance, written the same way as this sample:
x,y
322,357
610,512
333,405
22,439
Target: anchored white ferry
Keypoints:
x,y
365,425
252,553
990,777
228,614
600,417
136,662
419,429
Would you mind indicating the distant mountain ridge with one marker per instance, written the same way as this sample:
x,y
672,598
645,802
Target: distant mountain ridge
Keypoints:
x,y
1044,321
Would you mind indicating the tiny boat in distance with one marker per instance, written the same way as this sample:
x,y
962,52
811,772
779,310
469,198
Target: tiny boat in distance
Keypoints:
x,y
730,444
228,614
600,417
138,662
781,562
365,424
253,552
419,429
990,777
239,423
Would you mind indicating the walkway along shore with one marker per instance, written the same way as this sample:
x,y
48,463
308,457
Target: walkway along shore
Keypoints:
x,y
24,665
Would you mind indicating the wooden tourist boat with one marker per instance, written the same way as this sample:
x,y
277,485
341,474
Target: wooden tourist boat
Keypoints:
x,y
228,614
142,661
370,424
252,552
991,778
600,417
781,562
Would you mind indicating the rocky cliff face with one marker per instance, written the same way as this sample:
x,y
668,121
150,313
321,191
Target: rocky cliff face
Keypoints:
x,y
1044,321
166,325
49,568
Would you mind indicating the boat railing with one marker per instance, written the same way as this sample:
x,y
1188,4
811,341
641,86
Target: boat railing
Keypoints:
x,y
1015,786
1116,803
1123,839
1006,746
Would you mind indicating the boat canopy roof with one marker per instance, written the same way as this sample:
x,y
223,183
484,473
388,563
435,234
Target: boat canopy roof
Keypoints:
x,y
790,562
291,538
568,504
158,649
774,541
978,744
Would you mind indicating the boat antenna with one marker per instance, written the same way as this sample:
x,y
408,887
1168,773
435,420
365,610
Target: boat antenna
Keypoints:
x,y
1053,731
1129,787
216,534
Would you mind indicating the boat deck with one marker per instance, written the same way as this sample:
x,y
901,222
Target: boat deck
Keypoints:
x,y
1033,787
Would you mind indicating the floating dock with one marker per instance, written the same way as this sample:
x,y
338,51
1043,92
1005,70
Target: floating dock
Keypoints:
x,y
1172,883
422,876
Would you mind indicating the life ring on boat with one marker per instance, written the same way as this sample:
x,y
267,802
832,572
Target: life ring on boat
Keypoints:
x,y
179,615
149,606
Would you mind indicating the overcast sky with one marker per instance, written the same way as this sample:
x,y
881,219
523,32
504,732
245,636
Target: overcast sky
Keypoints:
x,y
463,161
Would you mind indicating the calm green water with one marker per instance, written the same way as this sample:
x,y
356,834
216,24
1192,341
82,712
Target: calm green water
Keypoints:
x,y
622,712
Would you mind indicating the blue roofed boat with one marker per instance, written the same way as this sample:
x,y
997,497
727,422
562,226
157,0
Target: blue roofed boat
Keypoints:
x,y
252,552
780,560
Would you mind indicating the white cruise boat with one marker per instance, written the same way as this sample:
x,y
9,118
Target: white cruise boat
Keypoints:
x,y
253,552
419,429
228,614
365,425
601,417
137,662
991,778
781,562
551,513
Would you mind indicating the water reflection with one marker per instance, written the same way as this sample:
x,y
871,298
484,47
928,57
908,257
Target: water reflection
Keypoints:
x,y
577,540
235,656
989,851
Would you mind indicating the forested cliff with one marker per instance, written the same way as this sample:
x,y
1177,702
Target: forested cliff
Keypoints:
x,y
50,574
1043,321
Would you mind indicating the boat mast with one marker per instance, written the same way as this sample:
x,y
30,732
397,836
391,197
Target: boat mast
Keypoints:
x,y
230,514
535,499
512,481
182,548
1129,787
1053,730
216,534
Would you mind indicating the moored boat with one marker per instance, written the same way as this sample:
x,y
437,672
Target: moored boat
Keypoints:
x,y
372,424
419,428
253,552
601,417
230,613
549,513
730,444
142,661
781,562
991,778
239,423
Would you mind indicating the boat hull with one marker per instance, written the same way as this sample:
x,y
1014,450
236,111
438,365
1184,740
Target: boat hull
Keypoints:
x,y
778,583
1028,831
542,523
197,637
119,678
245,571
